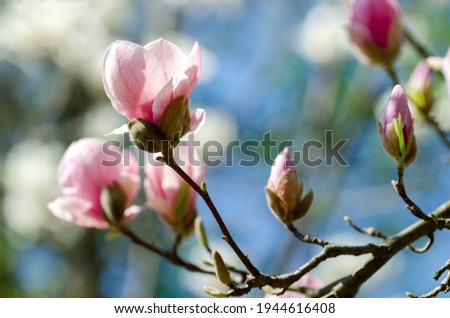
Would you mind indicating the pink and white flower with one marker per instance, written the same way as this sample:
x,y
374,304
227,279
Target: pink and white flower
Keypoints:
x,y
143,81
376,30
87,166
395,128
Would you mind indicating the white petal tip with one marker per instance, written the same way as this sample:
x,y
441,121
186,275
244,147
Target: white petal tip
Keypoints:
x,y
119,131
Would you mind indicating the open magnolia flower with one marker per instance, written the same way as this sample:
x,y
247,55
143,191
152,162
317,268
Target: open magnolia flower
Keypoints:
x,y
375,29
85,172
169,195
284,192
396,130
150,85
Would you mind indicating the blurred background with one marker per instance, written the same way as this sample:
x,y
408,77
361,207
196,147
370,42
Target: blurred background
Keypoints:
x,y
281,66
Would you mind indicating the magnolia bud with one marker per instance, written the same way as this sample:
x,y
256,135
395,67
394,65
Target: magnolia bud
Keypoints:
x,y
200,232
419,87
376,30
284,192
222,272
395,129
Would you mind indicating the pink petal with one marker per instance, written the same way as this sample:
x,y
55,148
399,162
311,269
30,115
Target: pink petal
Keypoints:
x,y
193,66
177,86
198,117
168,54
281,164
127,68
76,210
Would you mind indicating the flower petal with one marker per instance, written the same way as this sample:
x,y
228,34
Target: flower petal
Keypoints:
x,y
76,210
198,117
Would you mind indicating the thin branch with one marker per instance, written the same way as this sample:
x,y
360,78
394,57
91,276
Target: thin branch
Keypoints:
x,y
425,248
410,205
392,74
444,286
371,231
443,135
305,237
170,256
168,159
395,244
423,52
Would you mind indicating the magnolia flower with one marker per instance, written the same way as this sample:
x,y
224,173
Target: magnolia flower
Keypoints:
x,y
419,87
307,281
284,192
395,128
376,30
150,85
87,168
169,195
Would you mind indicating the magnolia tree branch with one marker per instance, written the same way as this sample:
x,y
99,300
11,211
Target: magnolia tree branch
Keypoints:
x,y
168,159
347,286
171,256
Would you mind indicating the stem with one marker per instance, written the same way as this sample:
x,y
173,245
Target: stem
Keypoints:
x,y
423,52
392,74
443,135
306,238
168,158
170,256
410,205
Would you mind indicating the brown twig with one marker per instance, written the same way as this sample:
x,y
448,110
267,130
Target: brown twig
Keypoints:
x,y
444,286
168,159
371,231
410,205
305,237
171,256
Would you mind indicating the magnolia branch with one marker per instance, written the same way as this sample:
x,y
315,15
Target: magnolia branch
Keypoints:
x,y
349,285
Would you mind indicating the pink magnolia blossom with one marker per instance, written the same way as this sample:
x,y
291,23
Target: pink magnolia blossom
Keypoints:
x,y
308,281
395,128
376,30
85,169
284,192
419,86
143,81
169,195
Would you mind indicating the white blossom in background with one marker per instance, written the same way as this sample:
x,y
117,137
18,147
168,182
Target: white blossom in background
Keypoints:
x,y
30,182
321,37
74,33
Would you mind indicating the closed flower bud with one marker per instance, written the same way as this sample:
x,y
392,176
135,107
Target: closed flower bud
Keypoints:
x,y
375,29
221,269
284,192
200,232
419,87
395,129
